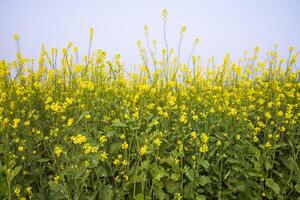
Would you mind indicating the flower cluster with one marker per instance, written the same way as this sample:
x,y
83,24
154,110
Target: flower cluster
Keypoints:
x,y
171,130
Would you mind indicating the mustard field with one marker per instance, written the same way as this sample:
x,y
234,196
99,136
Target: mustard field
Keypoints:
x,y
86,128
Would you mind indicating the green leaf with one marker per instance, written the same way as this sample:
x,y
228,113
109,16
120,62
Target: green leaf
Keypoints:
x,y
171,162
268,165
140,196
175,177
297,187
200,197
3,185
159,175
101,171
172,187
15,172
159,193
188,191
111,133
273,185
118,124
203,180
81,116
115,147
106,192
156,172
145,164
190,175
205,164
253,173
43,160
2,167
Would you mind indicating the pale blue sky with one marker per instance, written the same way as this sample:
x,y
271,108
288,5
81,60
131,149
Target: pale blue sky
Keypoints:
x,y
222,25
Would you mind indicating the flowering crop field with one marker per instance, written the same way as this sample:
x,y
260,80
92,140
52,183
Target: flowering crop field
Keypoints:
x,y
90,130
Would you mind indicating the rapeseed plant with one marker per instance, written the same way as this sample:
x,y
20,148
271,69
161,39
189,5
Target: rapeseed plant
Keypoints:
x,y
171,130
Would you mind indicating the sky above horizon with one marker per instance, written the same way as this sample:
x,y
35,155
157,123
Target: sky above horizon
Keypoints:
x,y
223,26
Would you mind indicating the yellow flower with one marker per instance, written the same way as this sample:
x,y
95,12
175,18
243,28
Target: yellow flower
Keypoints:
x,y
5,122
232,112
157,141
20,148
58,150
78,139
268,145
238,136
270,104
90,149
183,29
124,162
204,137
87,116
16,37
143,150
268,115
125,145
16,123
70,122
150,106
282,129
17,190
91,33
103,156
164,13
261,101
255,138
116,162
193,135
183,118
102,139
86,163
203,148
279,113
56,178
27,123
177,196
122,136
195,117
29,190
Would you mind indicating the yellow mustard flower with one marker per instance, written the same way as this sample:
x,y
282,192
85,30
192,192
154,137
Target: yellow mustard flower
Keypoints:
x,y
268,115
124,145
70,122
103,156
102,139
20,148
78,139
16,123
143,150
58,150
193,135
204,137
157,141
203,148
